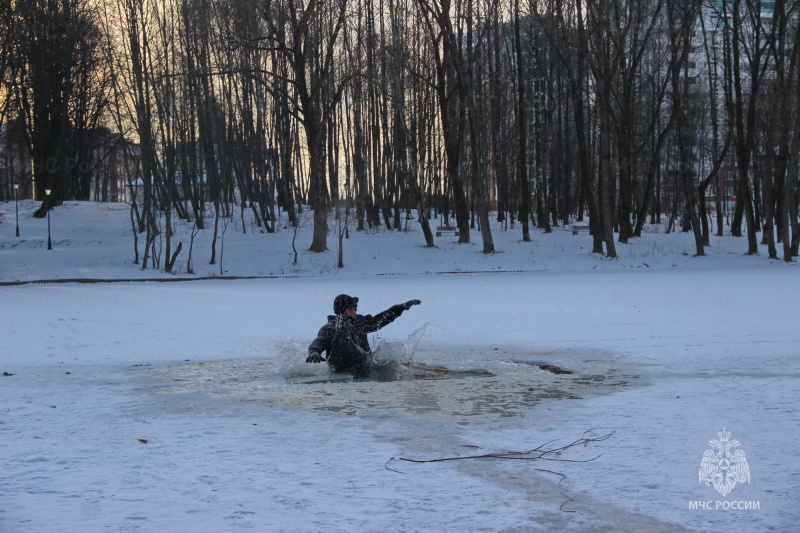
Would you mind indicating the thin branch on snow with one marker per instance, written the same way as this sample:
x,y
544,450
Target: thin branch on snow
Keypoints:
x,y
561,507
542,452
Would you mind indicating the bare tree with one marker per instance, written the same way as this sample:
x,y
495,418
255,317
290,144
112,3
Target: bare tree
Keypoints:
x,y
681,16
721,135
450,91
49,73
306,38
522,129
7,36
136,66
783,112
747,64
570,39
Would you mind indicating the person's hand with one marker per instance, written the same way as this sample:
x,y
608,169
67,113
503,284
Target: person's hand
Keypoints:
x,y
314,357
409,303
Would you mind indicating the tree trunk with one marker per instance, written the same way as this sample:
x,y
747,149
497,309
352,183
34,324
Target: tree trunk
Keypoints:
x,y
522,131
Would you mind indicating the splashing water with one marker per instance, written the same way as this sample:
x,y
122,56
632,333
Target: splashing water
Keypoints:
x,y
401,352
289,361
392,361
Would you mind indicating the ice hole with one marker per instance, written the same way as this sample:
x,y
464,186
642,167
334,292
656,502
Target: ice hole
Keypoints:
x,y
391,361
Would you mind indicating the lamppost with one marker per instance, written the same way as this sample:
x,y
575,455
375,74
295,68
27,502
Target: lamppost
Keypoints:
x,y
16,207
49,242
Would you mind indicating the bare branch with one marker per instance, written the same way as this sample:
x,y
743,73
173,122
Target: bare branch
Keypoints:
x,y
540,452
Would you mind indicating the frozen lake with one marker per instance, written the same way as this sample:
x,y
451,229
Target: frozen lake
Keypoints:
x,y
147,407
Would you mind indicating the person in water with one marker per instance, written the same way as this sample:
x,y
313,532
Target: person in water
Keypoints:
x,y
344,337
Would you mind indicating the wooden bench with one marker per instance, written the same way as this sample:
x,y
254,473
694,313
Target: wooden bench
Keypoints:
x,y
446,229
578,228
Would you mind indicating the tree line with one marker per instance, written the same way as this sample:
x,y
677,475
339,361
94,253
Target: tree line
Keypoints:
x,y
537,112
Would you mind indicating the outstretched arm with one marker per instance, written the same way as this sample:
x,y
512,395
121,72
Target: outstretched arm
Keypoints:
x,y
384,318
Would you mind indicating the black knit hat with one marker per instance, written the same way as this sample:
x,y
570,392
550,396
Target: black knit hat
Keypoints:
x,y
344,302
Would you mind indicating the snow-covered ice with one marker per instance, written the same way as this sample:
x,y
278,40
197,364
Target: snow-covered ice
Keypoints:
x,y
169,407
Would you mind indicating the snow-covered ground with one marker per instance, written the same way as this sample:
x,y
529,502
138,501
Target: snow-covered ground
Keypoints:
x,y
173,407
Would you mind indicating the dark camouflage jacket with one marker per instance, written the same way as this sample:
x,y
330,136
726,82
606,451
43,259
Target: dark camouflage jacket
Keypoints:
x,y
356,327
